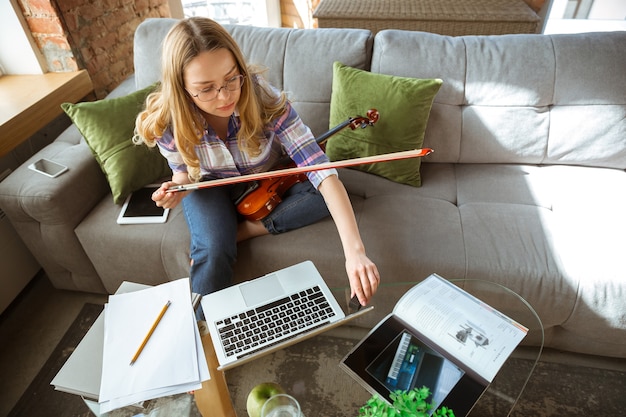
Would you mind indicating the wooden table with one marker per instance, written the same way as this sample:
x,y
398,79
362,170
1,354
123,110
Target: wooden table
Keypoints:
x,y
30,102
213,399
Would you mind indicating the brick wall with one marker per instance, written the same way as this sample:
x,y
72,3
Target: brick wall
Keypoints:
x,y
96,36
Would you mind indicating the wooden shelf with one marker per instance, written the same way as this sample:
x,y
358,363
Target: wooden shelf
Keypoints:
x,y
30,102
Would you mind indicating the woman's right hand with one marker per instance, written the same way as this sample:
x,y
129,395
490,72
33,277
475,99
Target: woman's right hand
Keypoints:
x,y
168,200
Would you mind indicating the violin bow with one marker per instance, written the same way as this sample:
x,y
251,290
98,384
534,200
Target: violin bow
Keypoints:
x,y
394,156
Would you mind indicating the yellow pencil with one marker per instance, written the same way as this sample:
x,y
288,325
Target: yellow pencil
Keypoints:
x,y
154,326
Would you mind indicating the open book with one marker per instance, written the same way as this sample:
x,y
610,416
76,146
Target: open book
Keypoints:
x,y
437,336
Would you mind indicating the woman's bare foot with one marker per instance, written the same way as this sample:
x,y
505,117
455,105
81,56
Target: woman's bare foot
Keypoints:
x,y
249,229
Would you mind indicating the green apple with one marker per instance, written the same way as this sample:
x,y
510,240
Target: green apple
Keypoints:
x,y
259,394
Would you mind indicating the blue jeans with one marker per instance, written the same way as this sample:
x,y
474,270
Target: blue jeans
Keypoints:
x,y
212,220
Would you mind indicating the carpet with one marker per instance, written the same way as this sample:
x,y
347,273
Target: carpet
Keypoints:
x,y
556,389
40,398
309,371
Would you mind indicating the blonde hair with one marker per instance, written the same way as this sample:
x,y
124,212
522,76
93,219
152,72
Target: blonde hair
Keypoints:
x,y
171,105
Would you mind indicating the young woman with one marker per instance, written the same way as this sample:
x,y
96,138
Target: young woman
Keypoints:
x,y
214,116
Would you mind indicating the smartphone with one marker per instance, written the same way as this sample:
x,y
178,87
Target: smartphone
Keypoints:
x,y
48,168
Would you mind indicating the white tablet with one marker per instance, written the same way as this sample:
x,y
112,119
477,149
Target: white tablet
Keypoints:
x,y
140,209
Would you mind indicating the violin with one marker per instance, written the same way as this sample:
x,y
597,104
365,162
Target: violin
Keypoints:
x,y
264,195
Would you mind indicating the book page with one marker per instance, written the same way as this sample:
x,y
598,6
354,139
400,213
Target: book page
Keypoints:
x,y
465,327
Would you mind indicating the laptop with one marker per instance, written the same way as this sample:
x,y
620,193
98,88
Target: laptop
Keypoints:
x,y
263,315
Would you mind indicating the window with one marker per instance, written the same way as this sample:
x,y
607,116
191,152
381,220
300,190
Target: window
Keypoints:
x,y
17,52
574,16
236,12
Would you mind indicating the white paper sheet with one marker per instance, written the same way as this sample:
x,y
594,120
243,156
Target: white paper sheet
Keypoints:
x,y
171,362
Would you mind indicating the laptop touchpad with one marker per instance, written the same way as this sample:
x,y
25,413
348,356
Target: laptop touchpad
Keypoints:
x,y
261,289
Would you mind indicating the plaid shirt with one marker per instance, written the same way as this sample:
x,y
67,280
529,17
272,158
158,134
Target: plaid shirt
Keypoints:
x,y
287,135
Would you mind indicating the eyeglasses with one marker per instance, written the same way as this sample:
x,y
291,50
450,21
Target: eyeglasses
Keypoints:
x,y
211,93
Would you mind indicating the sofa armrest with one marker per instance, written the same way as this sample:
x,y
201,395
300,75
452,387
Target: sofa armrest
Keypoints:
x,y
45,211
66,199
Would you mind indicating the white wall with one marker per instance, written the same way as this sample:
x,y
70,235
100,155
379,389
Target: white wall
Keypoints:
x,y
600,9
604,16
608,9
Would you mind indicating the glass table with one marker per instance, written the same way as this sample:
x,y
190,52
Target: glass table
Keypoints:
x,y
309,370
505,391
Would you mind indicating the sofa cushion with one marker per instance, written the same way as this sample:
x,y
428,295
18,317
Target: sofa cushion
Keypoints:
x,y
108,126
164,247
404,106
491,109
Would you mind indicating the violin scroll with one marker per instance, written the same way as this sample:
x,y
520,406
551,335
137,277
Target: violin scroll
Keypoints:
x,y
363,122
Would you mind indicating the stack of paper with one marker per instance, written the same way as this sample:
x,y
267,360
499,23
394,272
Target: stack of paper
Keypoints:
x,y
171,362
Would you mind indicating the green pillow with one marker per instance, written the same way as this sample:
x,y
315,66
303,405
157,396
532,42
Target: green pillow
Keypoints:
x,y
404,106
108,127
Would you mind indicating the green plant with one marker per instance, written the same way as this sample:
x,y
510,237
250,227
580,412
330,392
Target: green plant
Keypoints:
x,y
405,404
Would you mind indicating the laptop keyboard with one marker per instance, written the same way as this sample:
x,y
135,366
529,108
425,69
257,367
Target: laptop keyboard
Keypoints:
x,y
246,332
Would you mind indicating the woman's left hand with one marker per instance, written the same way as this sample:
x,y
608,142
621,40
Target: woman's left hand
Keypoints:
x,y
363,276
362,272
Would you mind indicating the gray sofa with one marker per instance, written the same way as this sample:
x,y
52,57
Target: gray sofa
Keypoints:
x,y
526,186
